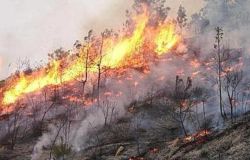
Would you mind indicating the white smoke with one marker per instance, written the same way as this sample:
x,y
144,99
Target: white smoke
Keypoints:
x,y
1,65
231,15
33,29
44,140
215,13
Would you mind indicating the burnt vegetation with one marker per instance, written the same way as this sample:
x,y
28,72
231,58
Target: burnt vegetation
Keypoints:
x,y
145,109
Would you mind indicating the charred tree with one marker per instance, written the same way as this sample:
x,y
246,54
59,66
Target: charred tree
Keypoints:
x,y
233,79
86,60
14,125
99,66
181,101
218,39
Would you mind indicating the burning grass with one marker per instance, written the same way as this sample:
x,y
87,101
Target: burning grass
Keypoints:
x,y
197,137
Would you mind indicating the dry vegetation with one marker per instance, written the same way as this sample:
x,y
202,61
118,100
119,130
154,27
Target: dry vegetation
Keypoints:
x,y
133,109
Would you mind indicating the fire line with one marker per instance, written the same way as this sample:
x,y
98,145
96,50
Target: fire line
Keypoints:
x,y
117,52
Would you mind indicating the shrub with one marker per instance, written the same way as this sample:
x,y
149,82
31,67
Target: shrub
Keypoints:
x,y
204,153
61,150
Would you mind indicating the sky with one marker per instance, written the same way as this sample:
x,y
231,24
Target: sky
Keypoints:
x,y
30,29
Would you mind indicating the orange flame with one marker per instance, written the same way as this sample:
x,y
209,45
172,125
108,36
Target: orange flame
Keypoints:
x,y
166,38
200,134
116,53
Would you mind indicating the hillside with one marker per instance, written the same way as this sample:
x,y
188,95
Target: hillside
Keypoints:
x,y
232,142
155,88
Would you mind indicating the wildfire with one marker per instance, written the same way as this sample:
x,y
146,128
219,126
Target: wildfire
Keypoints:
x,y
118,52
136,158
195,63
126,47
166,38
196,136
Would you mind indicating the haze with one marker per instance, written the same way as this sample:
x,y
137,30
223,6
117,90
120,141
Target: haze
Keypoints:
x,y
31,29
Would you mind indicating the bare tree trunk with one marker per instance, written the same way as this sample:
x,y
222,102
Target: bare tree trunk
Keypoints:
x,y
182,122
86,72
88,38
15,125
219,34
46,111
112,114
183,128
54,141
204,115
137,138
197,116
106,115
231,106
14,132
99,74
219,74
